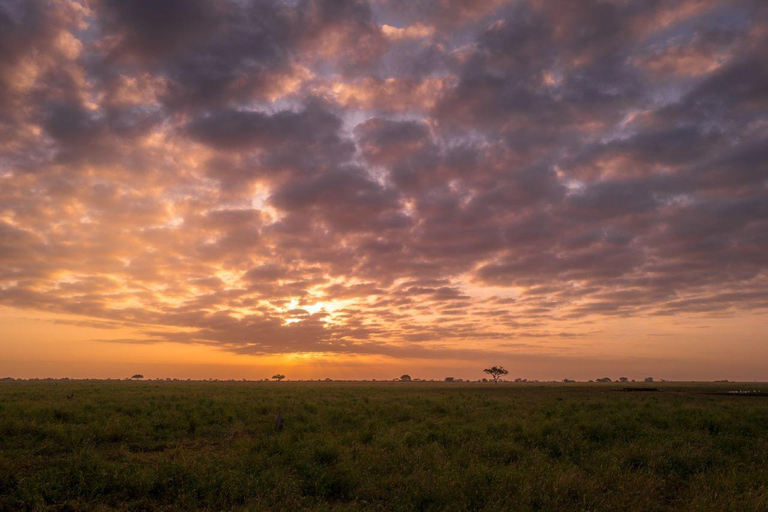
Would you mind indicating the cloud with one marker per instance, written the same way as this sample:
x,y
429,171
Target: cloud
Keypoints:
x,y
408,179
236,129
415,31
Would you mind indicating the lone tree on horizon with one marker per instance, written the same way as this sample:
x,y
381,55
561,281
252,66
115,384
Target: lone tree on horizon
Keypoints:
x,y
405,378
138,376
278,377
496,372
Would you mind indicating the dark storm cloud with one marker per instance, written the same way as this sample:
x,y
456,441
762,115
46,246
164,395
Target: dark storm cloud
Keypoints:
x,y
386,177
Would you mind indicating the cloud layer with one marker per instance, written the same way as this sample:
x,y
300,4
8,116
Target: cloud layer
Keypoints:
x,y
409,179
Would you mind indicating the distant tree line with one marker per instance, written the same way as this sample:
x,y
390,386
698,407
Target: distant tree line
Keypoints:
x,y
495,372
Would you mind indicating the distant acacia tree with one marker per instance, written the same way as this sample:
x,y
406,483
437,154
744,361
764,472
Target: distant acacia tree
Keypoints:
x,y
496,372
138,376
278,377
605,379
649,379
449,379
623,379
405,378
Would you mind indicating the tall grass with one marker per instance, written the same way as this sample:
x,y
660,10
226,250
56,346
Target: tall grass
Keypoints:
x,y
386,446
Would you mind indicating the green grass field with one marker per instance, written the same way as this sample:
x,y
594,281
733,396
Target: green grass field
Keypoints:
x,y
382,446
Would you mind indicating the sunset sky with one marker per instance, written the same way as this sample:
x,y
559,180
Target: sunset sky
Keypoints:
x,y
330,188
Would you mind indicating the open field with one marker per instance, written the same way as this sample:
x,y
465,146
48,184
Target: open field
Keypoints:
x,y
382,446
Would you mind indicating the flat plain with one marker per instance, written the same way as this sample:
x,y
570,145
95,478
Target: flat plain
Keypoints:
x,y
152,445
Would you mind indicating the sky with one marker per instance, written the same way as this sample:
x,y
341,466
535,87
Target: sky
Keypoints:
x,y
348,189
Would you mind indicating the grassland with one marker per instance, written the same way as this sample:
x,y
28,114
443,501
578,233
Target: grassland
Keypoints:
x,y
384,446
